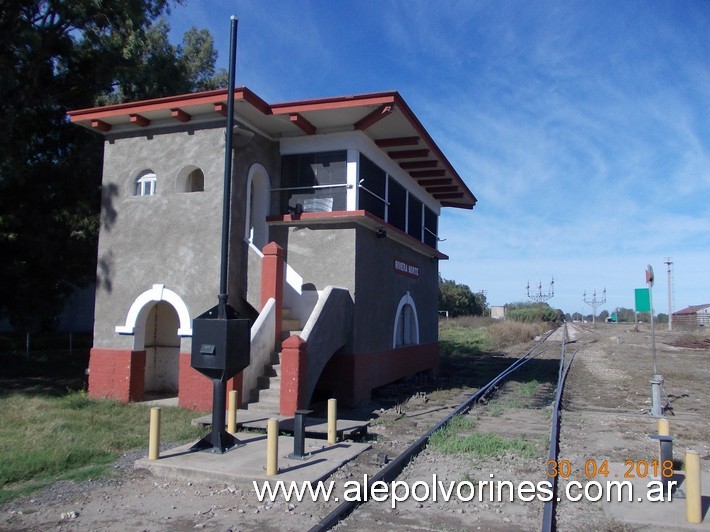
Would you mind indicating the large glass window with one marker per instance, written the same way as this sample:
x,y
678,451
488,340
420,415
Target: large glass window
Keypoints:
x,y
373,188
397,212
414,217
313,182
431,221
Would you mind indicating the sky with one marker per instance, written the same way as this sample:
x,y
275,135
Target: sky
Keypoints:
x,y
583,128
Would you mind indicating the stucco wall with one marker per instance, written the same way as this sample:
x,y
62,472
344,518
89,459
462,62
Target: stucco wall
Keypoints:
x,y
170,238
322,254
379,289
351,256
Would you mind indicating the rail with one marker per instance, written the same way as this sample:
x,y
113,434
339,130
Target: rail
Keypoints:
x,y
395,467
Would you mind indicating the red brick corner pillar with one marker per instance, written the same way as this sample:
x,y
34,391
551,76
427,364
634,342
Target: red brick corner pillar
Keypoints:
x,y
294,375
117,374
272,281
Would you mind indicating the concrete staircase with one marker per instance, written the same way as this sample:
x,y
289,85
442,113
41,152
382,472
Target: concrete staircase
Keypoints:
x,y
267,397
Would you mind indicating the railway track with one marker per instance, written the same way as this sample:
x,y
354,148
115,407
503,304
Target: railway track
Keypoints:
x,y
393,469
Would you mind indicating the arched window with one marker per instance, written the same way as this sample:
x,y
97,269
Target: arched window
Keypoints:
x,y
190,179
406,323
145,184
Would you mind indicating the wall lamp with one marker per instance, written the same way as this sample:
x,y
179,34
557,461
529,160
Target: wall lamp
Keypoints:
x,y
381,233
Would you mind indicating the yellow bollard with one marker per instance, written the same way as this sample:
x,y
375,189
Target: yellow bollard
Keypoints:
x,y
693,498
332,421
154,440
272,447
664,428
232,412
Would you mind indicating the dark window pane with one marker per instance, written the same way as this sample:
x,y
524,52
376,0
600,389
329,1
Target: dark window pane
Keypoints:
x,y
397,213
374,181
430,227
306,170
414,227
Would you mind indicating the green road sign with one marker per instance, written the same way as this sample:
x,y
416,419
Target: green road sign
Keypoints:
x,y
643,300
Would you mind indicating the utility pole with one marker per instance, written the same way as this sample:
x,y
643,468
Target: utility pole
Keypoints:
x,y
594,303
668,263
540,297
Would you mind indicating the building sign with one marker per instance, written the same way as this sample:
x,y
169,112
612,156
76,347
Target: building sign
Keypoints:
x,y
405,268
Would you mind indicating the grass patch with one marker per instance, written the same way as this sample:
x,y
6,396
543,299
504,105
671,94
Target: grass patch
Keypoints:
x,y
462,336
456,438
73,437
529,388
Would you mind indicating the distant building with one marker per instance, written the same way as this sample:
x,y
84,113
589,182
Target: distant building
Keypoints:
x,y
695,315
498,312
334,233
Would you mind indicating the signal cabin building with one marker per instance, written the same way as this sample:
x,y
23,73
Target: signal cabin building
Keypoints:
x,y
333,245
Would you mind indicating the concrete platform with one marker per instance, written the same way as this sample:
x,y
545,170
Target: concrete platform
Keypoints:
x,y
315,427
658,515
247,463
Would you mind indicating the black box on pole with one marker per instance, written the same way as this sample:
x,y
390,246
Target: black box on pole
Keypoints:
x,y
220,347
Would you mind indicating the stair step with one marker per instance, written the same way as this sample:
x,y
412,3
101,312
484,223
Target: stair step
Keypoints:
x,y
288,324
286,312
267,383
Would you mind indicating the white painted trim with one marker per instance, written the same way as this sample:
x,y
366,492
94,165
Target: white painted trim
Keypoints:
x,y
135,319
265,199
351,173
406,299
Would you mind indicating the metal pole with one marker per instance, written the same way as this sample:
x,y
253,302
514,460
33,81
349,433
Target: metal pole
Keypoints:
x,y
670,308
653,332
222,311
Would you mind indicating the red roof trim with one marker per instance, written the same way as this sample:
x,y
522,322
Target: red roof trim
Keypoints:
x,y
100,125
338,102
408,154
139,120
374,117
435,182
449,196
410,165
394,142
390,101
428,173
303,124
169,102
179,114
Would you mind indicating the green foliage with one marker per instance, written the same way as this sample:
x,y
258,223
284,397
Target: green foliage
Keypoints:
x,y
532,312
462,335
459,300
73,436
58,55
457,438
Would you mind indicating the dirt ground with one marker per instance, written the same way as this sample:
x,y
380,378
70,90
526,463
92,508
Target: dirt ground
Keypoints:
x,y
605,416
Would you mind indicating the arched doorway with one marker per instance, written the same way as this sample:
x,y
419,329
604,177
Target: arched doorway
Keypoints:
x,y
162,350
258,206
157,319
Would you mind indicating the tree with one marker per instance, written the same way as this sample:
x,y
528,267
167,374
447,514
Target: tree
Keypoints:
x,y
459,300
57,55
530,312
